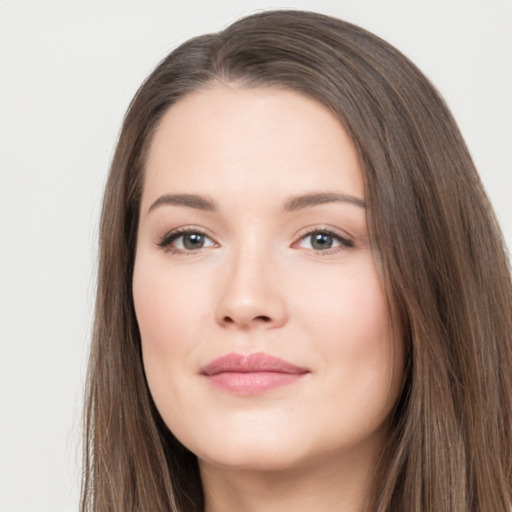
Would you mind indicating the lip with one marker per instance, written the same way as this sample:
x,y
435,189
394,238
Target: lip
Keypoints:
x,y
251,374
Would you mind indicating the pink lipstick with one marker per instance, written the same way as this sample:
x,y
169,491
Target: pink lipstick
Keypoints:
x,y
251,374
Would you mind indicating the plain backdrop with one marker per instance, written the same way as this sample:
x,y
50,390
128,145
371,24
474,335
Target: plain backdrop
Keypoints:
x,y
68,70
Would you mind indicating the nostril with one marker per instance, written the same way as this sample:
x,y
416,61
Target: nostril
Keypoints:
x,y
259,318
262,318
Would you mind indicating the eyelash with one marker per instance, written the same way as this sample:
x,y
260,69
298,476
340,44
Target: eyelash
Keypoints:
x,y
344,242
167,239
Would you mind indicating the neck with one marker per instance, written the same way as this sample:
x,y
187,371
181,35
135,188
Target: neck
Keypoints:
x,y
326,485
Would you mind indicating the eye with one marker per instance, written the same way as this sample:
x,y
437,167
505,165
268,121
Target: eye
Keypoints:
x,y
186,240
322,240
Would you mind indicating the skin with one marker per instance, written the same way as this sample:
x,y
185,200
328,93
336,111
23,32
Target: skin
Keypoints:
x,y
260,283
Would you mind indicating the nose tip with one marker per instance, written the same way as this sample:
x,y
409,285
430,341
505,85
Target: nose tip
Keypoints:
x,y
250,298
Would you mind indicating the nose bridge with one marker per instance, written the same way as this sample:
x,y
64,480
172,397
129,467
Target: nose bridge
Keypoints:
x,y
249,293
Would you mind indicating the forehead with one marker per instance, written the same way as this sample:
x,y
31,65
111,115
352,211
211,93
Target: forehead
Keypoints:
x,y
251,138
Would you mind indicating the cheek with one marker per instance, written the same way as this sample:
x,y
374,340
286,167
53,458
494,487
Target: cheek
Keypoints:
x,y
349,321
153,302
168,312
163,316
168,308
349,305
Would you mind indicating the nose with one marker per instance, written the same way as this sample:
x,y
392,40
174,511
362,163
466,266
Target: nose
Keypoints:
x,y
250,295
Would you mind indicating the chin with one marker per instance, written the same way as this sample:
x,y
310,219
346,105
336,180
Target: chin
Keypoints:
x,y
249,452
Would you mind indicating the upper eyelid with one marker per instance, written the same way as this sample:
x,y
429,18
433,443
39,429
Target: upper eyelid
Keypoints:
x,y
323,229
173,234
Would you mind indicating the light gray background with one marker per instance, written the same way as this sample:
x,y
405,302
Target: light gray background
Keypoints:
x,y
67,72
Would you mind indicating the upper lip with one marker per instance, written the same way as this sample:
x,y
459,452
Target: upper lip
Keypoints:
x,y
250,363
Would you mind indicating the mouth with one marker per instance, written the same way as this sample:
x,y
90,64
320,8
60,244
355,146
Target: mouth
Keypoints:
x,y
251,374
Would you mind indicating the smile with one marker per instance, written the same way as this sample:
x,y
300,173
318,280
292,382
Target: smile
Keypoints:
x,y
251,374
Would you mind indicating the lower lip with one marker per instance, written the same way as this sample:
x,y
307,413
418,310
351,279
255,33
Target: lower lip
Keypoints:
x,y
252,383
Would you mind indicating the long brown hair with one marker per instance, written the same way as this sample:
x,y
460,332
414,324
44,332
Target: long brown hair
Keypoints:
x,y
439,247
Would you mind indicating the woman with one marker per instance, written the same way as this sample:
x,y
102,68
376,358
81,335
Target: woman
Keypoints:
x,y
304,298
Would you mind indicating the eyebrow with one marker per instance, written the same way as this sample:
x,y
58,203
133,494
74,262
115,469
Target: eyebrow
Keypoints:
x,y
318,198
188,200
292,204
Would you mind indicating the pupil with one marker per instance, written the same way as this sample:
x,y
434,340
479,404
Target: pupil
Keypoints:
x,y
193,241
321,241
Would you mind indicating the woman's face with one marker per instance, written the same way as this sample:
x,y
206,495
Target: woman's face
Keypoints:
x,y
265,328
